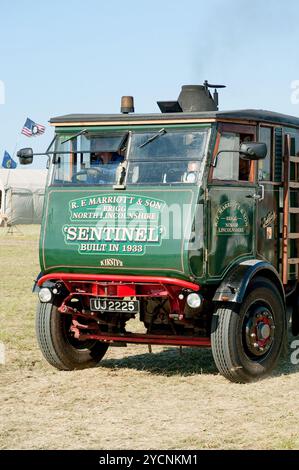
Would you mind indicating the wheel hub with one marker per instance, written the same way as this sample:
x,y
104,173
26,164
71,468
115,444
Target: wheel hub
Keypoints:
x,y
263,331
259,330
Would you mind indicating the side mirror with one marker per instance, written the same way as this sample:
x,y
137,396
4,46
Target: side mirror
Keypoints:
x,y
253,150
25,156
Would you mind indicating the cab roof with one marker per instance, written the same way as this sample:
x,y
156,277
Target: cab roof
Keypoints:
x,y
253,115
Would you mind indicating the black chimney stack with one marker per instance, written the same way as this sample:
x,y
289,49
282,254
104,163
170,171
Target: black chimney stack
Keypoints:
x,y
193,99
196,98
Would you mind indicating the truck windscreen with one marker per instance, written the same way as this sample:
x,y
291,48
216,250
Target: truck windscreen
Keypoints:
x,y
166,157
89,159
156,157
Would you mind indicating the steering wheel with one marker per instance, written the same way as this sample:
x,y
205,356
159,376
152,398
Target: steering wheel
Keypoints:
x,y
173,176
92,175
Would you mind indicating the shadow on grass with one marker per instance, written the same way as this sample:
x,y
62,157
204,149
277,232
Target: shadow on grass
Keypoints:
x,y
168,362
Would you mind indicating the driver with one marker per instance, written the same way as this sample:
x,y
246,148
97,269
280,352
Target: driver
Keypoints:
x,y
103,158
103,167
191,173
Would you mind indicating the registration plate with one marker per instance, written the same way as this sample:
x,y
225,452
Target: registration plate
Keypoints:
x,y
112,305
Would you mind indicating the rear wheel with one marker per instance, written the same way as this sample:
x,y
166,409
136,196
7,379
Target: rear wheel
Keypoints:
x,y
295,314
58,345
247,340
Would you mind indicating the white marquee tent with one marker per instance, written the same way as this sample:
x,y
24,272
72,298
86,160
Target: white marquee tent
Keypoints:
x,y
21,196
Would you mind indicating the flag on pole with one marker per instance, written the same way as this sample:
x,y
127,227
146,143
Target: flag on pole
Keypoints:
x,y
8,162
32,129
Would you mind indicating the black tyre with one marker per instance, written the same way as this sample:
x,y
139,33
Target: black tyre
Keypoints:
x,y
295,315
247,339
58,346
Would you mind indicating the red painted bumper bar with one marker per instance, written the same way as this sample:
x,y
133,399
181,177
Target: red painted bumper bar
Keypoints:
x,y
150,339
118,278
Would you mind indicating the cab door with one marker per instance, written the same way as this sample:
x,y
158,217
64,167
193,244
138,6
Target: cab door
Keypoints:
x,y
269,180
231,202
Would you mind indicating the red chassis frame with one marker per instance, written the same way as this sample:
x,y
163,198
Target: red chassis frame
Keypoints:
x,y
114,285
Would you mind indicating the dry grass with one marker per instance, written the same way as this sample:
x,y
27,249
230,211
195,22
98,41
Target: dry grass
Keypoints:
x,y
133,399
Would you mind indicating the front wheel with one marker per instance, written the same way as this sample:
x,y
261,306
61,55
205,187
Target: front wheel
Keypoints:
x,y
58,345
247,340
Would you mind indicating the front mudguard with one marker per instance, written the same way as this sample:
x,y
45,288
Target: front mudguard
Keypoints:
x,y
234,285
36,288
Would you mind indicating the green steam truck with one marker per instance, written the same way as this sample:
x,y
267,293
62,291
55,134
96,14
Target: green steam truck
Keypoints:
x,y
186,219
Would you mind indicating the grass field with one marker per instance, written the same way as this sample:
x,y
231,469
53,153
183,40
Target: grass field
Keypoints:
x,y
133,400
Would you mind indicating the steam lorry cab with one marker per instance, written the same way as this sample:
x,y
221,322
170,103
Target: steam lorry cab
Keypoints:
x,y
186,219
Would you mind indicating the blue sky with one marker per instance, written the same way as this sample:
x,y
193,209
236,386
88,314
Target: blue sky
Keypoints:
x,y
69,56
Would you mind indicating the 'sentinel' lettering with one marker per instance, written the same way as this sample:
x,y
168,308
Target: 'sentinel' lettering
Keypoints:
x,y
114,234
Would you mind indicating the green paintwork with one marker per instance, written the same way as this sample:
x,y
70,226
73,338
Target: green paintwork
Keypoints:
x,y
231,227
150,127
81,234
268,225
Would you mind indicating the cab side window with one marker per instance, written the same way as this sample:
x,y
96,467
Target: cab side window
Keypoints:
x,y
264,166
230,166
227,167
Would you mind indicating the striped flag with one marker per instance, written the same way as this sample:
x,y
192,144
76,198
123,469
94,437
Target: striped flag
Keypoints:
x,y
32,129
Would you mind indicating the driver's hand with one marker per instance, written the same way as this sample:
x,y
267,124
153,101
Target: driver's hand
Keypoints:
x,y
92,172
92,175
